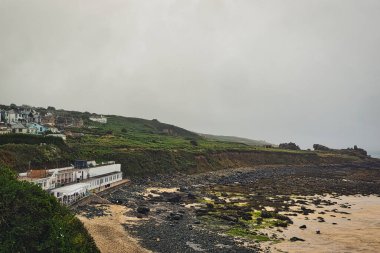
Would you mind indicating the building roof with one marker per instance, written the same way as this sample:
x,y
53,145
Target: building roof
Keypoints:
x,y
38,173
17,125
70,189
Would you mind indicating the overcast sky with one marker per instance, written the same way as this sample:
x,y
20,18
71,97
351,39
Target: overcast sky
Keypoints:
x,y
302,71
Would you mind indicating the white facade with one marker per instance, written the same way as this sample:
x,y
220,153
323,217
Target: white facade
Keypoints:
x,y
100,119
58,135
103,169
69,184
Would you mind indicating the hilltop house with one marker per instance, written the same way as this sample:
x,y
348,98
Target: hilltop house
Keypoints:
x,y
20,115
72,183
100,119
13,116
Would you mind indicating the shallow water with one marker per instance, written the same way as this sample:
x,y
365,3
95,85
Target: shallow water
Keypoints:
x,y
358,231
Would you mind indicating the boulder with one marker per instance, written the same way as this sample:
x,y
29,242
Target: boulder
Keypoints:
x,y
175,216
143,210
295,239
229,218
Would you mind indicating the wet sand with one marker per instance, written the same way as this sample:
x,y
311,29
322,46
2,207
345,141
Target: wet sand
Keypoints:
x,y
109,234
358,231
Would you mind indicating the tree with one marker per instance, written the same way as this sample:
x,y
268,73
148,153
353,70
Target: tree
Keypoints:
x,y
194,142
51,108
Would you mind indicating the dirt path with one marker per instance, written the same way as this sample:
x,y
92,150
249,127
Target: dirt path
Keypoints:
x,y
109,234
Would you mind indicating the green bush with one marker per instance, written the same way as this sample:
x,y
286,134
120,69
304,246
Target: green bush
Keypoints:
x,y
31,139
33,221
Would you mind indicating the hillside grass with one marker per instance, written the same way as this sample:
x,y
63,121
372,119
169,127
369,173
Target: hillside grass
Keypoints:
x,y
146,147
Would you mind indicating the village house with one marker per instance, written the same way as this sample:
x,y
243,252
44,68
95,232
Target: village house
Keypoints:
x,y
40,129
72,183
18,128
48,119
13,116
21,115
4,129
99,119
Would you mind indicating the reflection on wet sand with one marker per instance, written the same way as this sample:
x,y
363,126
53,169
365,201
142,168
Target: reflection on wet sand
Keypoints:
x,y
350,225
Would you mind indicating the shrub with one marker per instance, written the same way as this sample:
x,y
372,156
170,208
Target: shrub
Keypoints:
x,y
290,145
31,220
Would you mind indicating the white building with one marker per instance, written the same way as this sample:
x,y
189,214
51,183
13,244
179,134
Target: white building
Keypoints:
x,y
58,135
71,183
100,119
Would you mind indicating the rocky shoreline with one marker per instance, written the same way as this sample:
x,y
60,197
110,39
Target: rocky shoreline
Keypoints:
x,y
237,210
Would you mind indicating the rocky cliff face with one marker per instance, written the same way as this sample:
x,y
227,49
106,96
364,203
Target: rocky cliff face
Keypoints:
x,y
149,162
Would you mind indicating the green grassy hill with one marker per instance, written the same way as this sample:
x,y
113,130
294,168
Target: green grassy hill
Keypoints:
x,y
236,140
147,147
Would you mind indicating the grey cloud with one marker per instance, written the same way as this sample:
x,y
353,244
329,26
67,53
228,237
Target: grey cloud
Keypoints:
x,y
306,71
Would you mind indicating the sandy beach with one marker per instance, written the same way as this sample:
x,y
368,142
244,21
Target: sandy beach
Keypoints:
x,y
109,234
355,230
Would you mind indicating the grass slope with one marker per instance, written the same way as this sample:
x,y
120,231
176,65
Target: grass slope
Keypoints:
x,y
147,147
236,140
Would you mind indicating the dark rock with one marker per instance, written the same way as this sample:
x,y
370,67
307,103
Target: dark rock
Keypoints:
x,y
210,206
290,145
174,198
229,218
175,216
191,196
246,216
143,209
303,227
183,189
201,211
294,239
320,147
306,211
321,219
266,214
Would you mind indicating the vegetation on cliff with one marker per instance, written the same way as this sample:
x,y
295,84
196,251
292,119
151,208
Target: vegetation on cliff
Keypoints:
x,y
33,221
